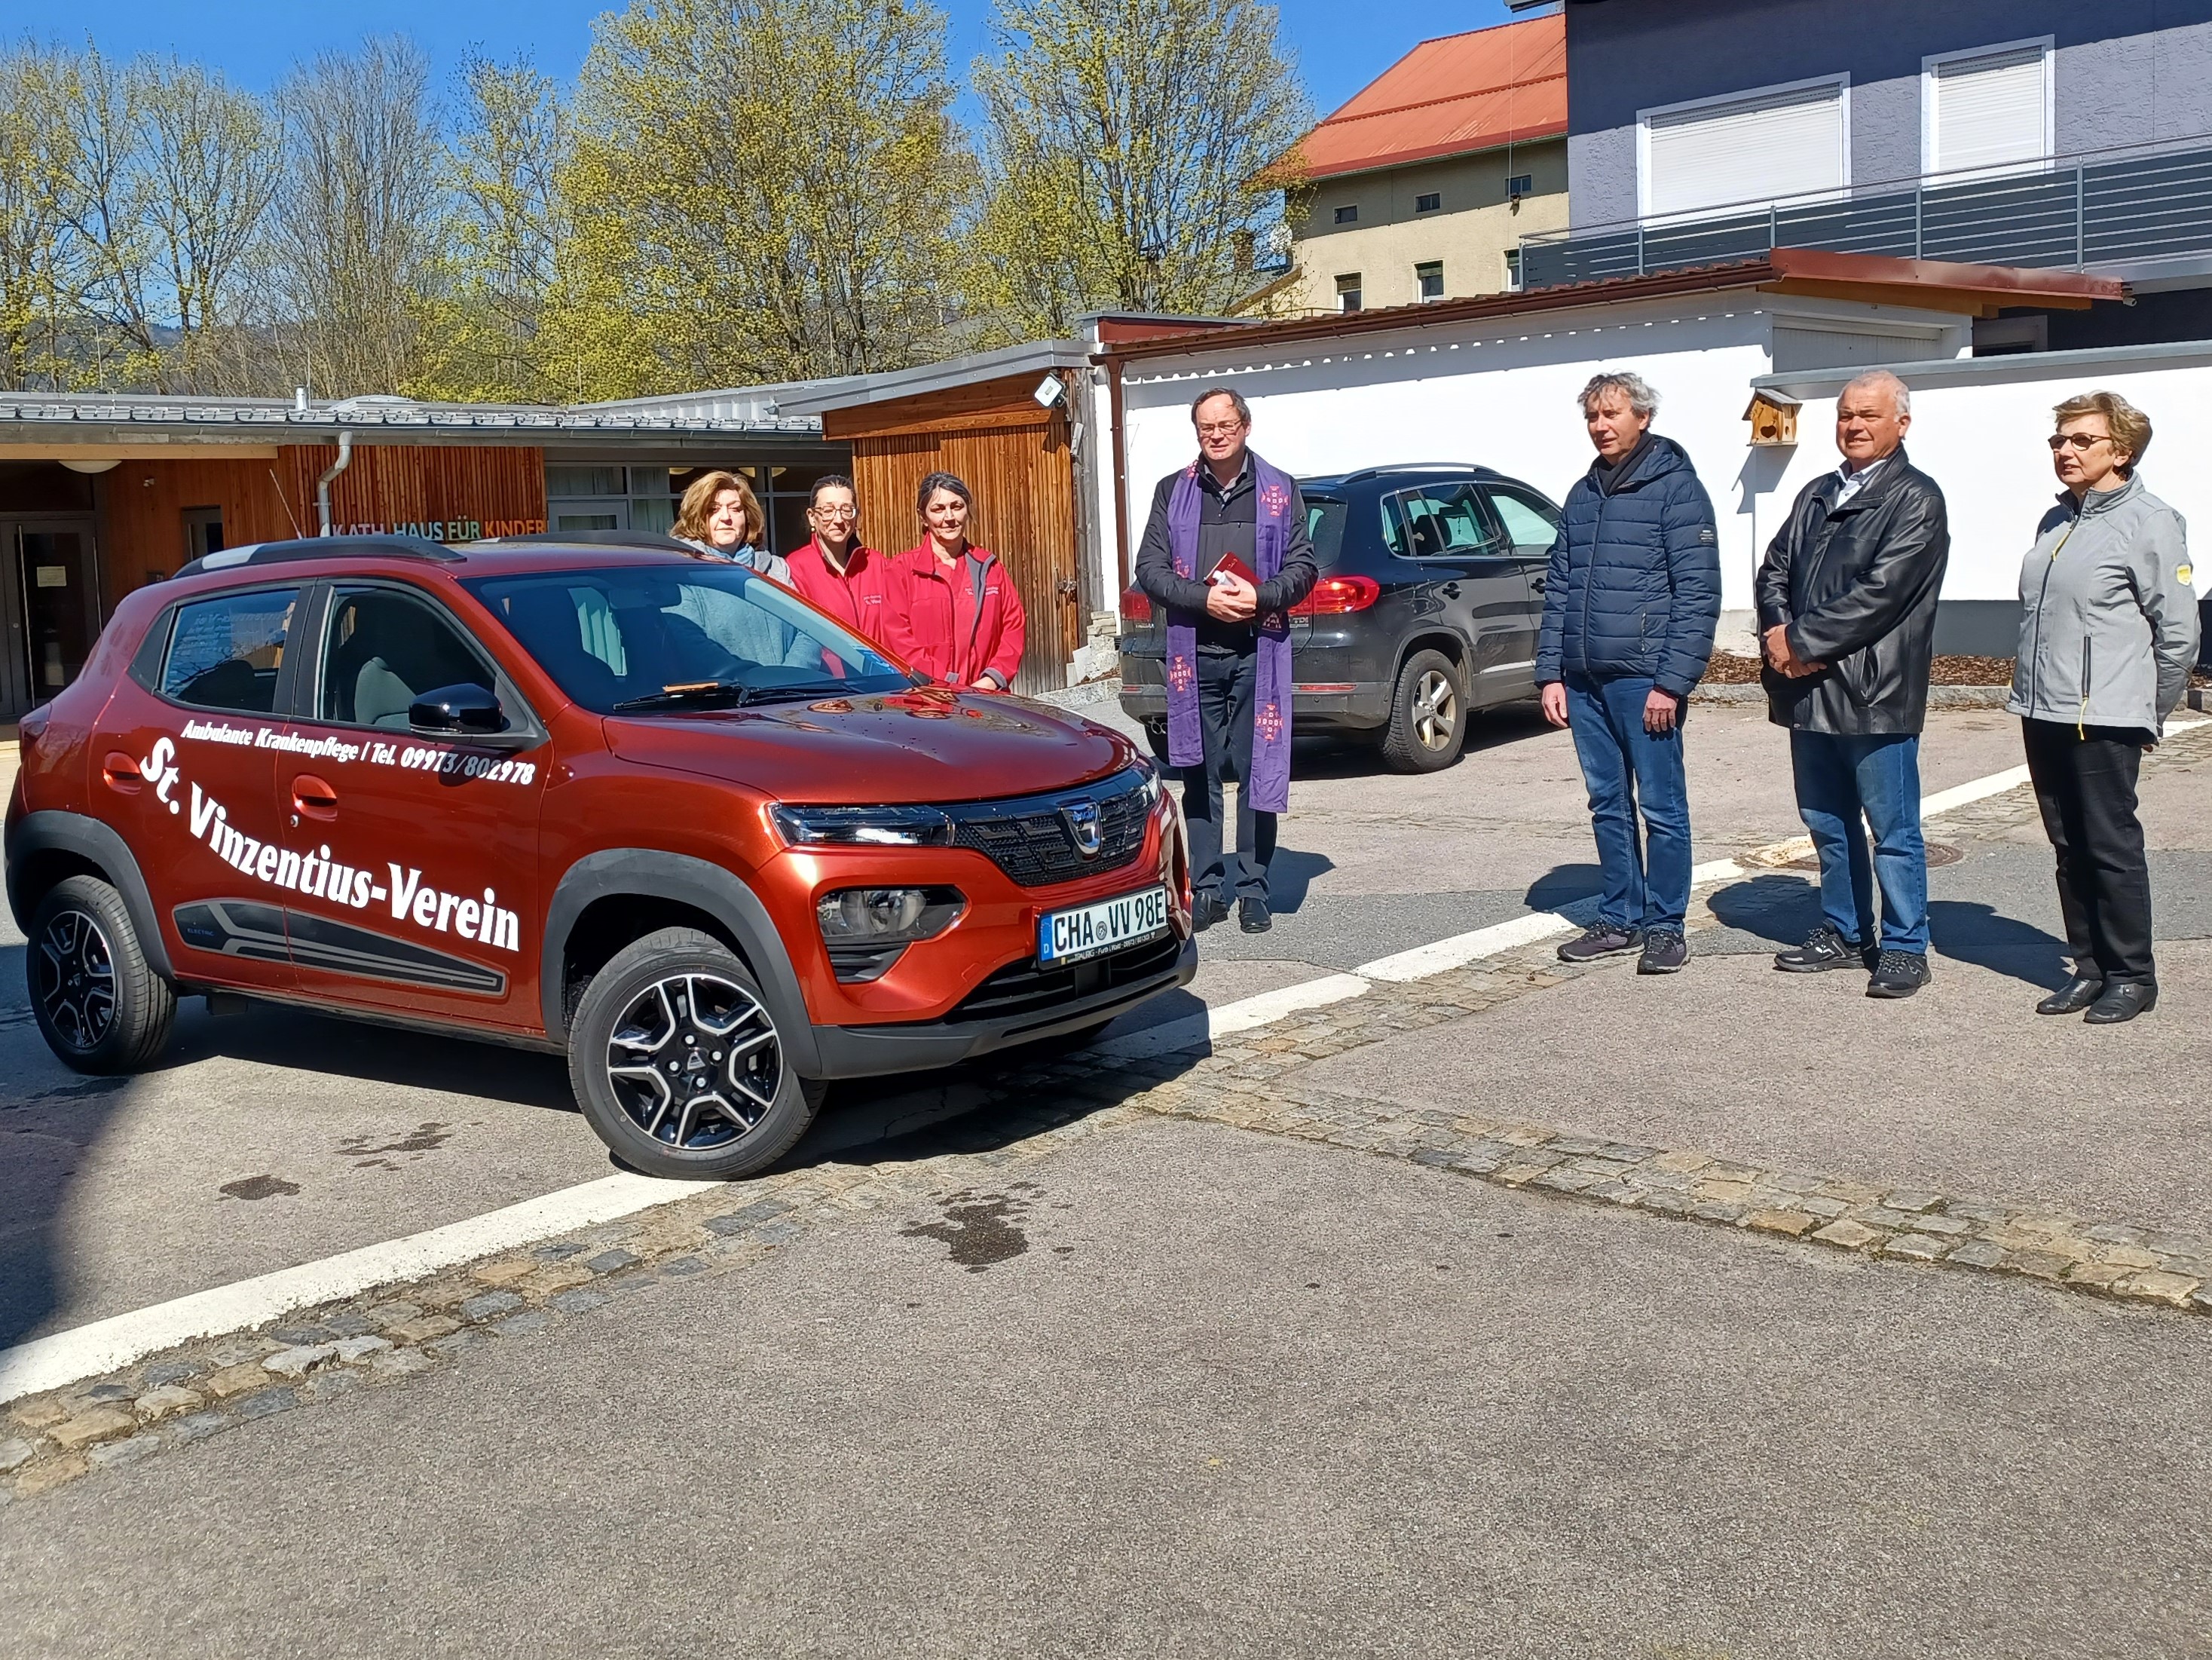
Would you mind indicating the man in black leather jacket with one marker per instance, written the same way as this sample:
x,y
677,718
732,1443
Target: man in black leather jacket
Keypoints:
x,y
1846,600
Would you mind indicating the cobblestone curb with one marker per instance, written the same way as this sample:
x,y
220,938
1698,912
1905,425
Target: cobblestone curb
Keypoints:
x,y
1939,697
385,1336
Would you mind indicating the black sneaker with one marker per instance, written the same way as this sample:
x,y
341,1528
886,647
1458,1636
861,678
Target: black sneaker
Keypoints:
x,y
1599,940
1252,916
1206,910
1665,951
1898,973
1824,949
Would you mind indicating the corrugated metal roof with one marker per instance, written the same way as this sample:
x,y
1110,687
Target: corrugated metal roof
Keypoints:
x,y
279,420
1448,97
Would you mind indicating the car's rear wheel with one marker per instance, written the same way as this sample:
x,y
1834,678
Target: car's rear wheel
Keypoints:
x,y
99,1003
678,1065
1428,716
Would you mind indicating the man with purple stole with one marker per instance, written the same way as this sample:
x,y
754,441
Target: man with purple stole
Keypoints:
x,y
1227,554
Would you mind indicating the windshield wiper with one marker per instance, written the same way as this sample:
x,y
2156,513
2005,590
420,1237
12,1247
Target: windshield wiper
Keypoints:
x,y
695,691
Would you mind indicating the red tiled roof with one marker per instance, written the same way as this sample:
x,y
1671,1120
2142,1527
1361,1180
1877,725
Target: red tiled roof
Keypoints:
x,y
1466,92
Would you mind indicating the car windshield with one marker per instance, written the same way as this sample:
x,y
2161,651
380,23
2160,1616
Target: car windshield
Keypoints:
x,y
670,636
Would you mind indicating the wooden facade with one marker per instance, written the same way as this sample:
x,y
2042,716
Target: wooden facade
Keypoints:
x,y
1014,456
268,493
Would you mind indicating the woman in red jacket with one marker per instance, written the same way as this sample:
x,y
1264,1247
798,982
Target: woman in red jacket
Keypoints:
x,y
836,572
964,625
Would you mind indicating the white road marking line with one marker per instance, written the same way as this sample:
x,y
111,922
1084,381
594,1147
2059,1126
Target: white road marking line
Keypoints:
x,y
105,1346
1243,1015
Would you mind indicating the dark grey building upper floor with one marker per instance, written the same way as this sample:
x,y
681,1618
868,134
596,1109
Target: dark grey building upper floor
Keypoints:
x,y
2031,132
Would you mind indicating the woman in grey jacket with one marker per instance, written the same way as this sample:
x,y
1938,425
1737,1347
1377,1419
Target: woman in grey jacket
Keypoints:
x,y
2107,632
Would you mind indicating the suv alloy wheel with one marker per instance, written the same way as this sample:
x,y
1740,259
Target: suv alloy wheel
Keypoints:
x,y
677,1063
99,1006
1428,716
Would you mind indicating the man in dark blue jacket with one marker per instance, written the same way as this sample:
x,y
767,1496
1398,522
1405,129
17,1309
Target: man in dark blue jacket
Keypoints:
x,y
1631,601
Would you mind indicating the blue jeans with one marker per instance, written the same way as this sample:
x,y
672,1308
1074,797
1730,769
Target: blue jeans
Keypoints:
x,y
1842,780
1647,878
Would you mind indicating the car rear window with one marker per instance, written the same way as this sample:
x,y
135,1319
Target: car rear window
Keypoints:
x,y
616,636
1325,517
227,652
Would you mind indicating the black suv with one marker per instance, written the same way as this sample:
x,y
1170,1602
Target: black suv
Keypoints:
x,y
1431,593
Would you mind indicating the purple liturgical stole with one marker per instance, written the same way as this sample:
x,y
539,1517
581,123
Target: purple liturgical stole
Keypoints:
x,y
1270,782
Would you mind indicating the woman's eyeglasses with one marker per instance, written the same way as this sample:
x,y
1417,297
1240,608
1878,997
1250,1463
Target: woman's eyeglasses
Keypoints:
x,y
2080,441
834,513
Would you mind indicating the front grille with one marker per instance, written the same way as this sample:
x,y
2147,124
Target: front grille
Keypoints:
x,y
1026,987
1031,840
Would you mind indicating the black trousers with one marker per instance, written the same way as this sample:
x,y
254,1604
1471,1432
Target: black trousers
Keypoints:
x,y
2085,782
1226,686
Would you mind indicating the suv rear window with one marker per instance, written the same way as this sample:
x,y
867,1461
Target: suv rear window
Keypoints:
x,y
226,652
1325,526
615,636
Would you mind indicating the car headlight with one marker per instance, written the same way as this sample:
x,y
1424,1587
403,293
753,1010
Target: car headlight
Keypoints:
x,y
875,827
1153,783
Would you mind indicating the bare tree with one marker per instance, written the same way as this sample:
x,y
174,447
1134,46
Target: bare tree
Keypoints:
x,y
352,240
1134,151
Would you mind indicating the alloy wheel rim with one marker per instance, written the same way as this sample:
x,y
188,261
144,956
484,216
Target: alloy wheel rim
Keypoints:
x,y
695,1062
1435,710
75,968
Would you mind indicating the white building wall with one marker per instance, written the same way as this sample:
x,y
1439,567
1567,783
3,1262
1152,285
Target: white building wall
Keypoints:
x,y
1978,430
1504,395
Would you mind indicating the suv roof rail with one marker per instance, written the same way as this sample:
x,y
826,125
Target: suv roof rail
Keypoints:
x,y
322,547
657,541
1359,473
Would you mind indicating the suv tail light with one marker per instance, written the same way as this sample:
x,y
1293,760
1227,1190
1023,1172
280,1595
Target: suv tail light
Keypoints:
x,y
1135,606
1334,595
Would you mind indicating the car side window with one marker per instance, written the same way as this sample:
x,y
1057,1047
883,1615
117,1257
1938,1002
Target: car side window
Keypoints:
x,y
227,652
1440,520
384,650
1532,524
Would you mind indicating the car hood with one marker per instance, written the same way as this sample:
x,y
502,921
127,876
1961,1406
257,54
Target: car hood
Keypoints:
x,y
926,745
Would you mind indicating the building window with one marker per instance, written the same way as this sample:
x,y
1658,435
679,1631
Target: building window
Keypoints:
x,y
1520,185
1348,214
1746,150
1348,292
1987,109
1429,279
1428,202
1513,271
203,531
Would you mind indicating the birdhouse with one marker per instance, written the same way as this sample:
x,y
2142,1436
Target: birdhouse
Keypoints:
x,y
1773,420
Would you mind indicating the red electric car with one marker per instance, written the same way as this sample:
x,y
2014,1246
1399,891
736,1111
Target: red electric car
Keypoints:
x,y
652,812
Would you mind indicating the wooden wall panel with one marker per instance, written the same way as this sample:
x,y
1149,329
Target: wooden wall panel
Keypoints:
x,y
1025,487
142,506
451,495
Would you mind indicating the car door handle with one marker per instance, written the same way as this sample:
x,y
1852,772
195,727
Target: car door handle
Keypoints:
x,y
120,774
313,799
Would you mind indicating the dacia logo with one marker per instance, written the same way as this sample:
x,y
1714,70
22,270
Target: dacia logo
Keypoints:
x,y
1083,824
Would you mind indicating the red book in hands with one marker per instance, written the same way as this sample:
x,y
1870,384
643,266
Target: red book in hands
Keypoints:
x,y
1230,565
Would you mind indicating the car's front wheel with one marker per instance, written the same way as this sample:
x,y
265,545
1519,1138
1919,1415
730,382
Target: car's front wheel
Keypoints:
x,y
1428,716
679,1066
99,1003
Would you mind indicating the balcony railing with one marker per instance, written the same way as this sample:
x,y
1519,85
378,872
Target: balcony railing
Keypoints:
x,y
2083,215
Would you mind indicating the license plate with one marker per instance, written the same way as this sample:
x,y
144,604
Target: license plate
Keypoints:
x,y
1087,930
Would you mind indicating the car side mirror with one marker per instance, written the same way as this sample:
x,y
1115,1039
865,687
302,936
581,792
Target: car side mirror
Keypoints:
x,y
461,711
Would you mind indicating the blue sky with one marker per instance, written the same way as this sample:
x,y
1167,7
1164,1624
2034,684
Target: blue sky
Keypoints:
x,y
1341,44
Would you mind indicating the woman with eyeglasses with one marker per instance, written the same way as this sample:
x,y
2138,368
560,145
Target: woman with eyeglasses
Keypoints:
x,y
964,622
837,573
2107,632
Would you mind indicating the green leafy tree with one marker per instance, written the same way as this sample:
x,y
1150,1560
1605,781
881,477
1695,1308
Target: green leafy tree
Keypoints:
x,y
44,268
1134,153
759,189
503,237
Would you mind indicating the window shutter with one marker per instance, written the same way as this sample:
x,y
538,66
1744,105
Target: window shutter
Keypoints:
x,y
1750,152
1988,111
